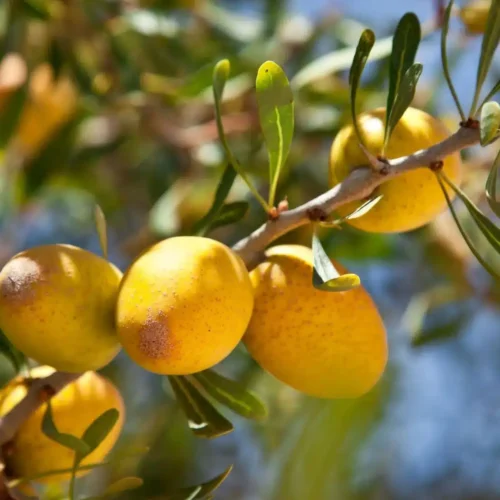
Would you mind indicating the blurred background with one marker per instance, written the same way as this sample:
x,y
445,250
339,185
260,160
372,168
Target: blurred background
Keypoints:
x,y
109,101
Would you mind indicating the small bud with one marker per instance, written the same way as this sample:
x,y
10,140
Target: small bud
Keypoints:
x,y
273,214
283,206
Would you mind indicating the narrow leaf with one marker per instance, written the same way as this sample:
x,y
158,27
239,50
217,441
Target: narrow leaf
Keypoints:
x,y
447,330
325,276
99,429
276,113
490,122
231,394
219,78
229,214
364,208
491,39
224,187
491,187
100,224
67,440
404,49
121,485
403,99
201,491
363,49
203,419
444,59
495,274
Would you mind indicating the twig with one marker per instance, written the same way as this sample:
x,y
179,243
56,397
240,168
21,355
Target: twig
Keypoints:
x,y
36,396
358,185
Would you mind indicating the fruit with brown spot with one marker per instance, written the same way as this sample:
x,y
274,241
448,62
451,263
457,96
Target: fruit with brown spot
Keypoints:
x,y
57,306
183,305
326,344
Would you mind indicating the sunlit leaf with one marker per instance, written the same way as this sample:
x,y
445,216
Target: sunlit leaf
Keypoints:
x,y
201,491
491,39
491,270
119,486
404,49
364,208
490,122
67,440
203,419
276,113
231,394
492,185
100,224
403,98
363,49
325,276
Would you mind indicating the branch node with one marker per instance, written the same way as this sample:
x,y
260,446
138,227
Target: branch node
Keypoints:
x,y
470,123
273,214
316,214
436,166
46,392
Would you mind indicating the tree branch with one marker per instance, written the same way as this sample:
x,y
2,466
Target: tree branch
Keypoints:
x,y
357,186
38,393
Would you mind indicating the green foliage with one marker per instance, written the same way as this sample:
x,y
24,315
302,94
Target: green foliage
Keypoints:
x,y
100,224
403,73
276,112
490,122
325,277
492,185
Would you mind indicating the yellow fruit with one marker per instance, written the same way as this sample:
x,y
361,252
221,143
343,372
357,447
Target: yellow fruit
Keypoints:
x,y
474,16
51,103
326,344
184,305
410,200
73,410
57,306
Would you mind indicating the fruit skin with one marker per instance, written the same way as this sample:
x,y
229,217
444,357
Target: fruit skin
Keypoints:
x,y
57,306
325,344
410,200
74,408
184,305
474,16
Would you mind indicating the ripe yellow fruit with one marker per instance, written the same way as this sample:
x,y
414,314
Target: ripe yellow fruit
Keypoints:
x,y
474,16
74,408
326,344
184,305
57,306
410,200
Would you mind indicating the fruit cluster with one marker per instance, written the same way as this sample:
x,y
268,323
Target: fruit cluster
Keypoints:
x,y
187,302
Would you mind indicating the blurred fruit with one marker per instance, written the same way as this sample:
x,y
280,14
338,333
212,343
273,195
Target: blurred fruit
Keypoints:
x,y
184,305
12,75
410,200
51,103
474,16
326,344
57,306
74,408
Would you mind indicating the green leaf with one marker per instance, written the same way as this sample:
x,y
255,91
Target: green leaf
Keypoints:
x,y
276,113
99,429
231,394
203,419
444,59
491,187
365,44
491,39
163,217
11,113
364,208
100,224
491,270
229,214
490,122
67,440
119,486
224,187
35,10
447,330
404,49
219,78
325,276
201,491
403,99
